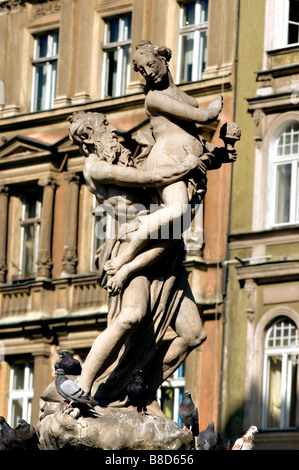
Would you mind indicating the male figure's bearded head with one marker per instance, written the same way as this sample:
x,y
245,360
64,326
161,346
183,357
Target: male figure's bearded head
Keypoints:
x,y
93,133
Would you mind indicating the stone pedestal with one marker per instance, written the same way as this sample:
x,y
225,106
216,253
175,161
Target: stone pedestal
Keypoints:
x,y
105,428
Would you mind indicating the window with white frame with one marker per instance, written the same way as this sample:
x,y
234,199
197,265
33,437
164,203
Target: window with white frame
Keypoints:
x,y
282,23
117,53
30,228
285,182
192,40
280,375
45,57
20,393
170,394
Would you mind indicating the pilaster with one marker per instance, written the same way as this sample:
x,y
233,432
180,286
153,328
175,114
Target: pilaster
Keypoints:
x,y
3,232
44,262
70,259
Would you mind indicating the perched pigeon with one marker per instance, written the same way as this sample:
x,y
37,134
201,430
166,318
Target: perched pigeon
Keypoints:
x,y
7,438
71,392
188,413
137,391
26,436
207,439
70,365
246,442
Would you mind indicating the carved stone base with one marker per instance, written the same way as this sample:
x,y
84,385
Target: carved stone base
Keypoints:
x,y
111,429
106,428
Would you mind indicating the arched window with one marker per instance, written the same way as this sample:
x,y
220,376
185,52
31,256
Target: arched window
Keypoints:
x,y
281,354
285,183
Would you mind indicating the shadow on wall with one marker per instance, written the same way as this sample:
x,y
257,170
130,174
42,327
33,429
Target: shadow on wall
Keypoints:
x,y
234,426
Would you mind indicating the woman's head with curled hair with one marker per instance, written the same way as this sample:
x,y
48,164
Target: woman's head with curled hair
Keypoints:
x,y
145,47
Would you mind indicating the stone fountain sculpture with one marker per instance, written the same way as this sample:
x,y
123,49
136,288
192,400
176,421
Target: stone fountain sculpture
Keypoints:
x,y
141,264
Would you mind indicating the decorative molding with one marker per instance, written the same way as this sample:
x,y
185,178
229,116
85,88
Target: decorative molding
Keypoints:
x,y
46,8
3,270
4,189
69,260
7,5
250,289
48,181
44,264
259,118
72,177
276,271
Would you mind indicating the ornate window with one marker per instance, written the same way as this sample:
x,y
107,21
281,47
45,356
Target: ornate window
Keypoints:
x,y
44,63
30,228
285,161
280,375
192,40
20,393
117,52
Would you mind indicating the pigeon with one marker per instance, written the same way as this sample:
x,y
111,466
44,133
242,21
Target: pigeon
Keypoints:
x,y
71,392
246,442
188,412
207,439
26,436
7,438
70,365
137,391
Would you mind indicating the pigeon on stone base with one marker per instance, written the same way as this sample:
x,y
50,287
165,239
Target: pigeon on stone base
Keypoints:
x,y
188,412
71,392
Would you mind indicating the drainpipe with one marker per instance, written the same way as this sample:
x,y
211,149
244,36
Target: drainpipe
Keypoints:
x,y
227,257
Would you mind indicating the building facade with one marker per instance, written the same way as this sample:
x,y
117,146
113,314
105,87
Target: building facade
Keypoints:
x,y
63,56
261,379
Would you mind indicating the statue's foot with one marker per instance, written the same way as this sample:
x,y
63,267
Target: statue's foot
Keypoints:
x,y
216,105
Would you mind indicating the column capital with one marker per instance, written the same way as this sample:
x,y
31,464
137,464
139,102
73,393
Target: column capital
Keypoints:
x,y
48,181
4,189
72,177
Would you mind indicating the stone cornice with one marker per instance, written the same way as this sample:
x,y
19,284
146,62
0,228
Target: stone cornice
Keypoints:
x,y
272,103
269,237
271,272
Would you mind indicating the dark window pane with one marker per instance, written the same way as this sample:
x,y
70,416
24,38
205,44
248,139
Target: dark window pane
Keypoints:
x,y
293,34
189,14
42,45
294,10
127,27
113,30
112,68
293,400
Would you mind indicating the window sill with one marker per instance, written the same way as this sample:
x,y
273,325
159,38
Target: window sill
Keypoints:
x,y
284,50
277,440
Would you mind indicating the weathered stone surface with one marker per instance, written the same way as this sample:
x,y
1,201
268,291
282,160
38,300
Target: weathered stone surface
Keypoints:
x,y
111,429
